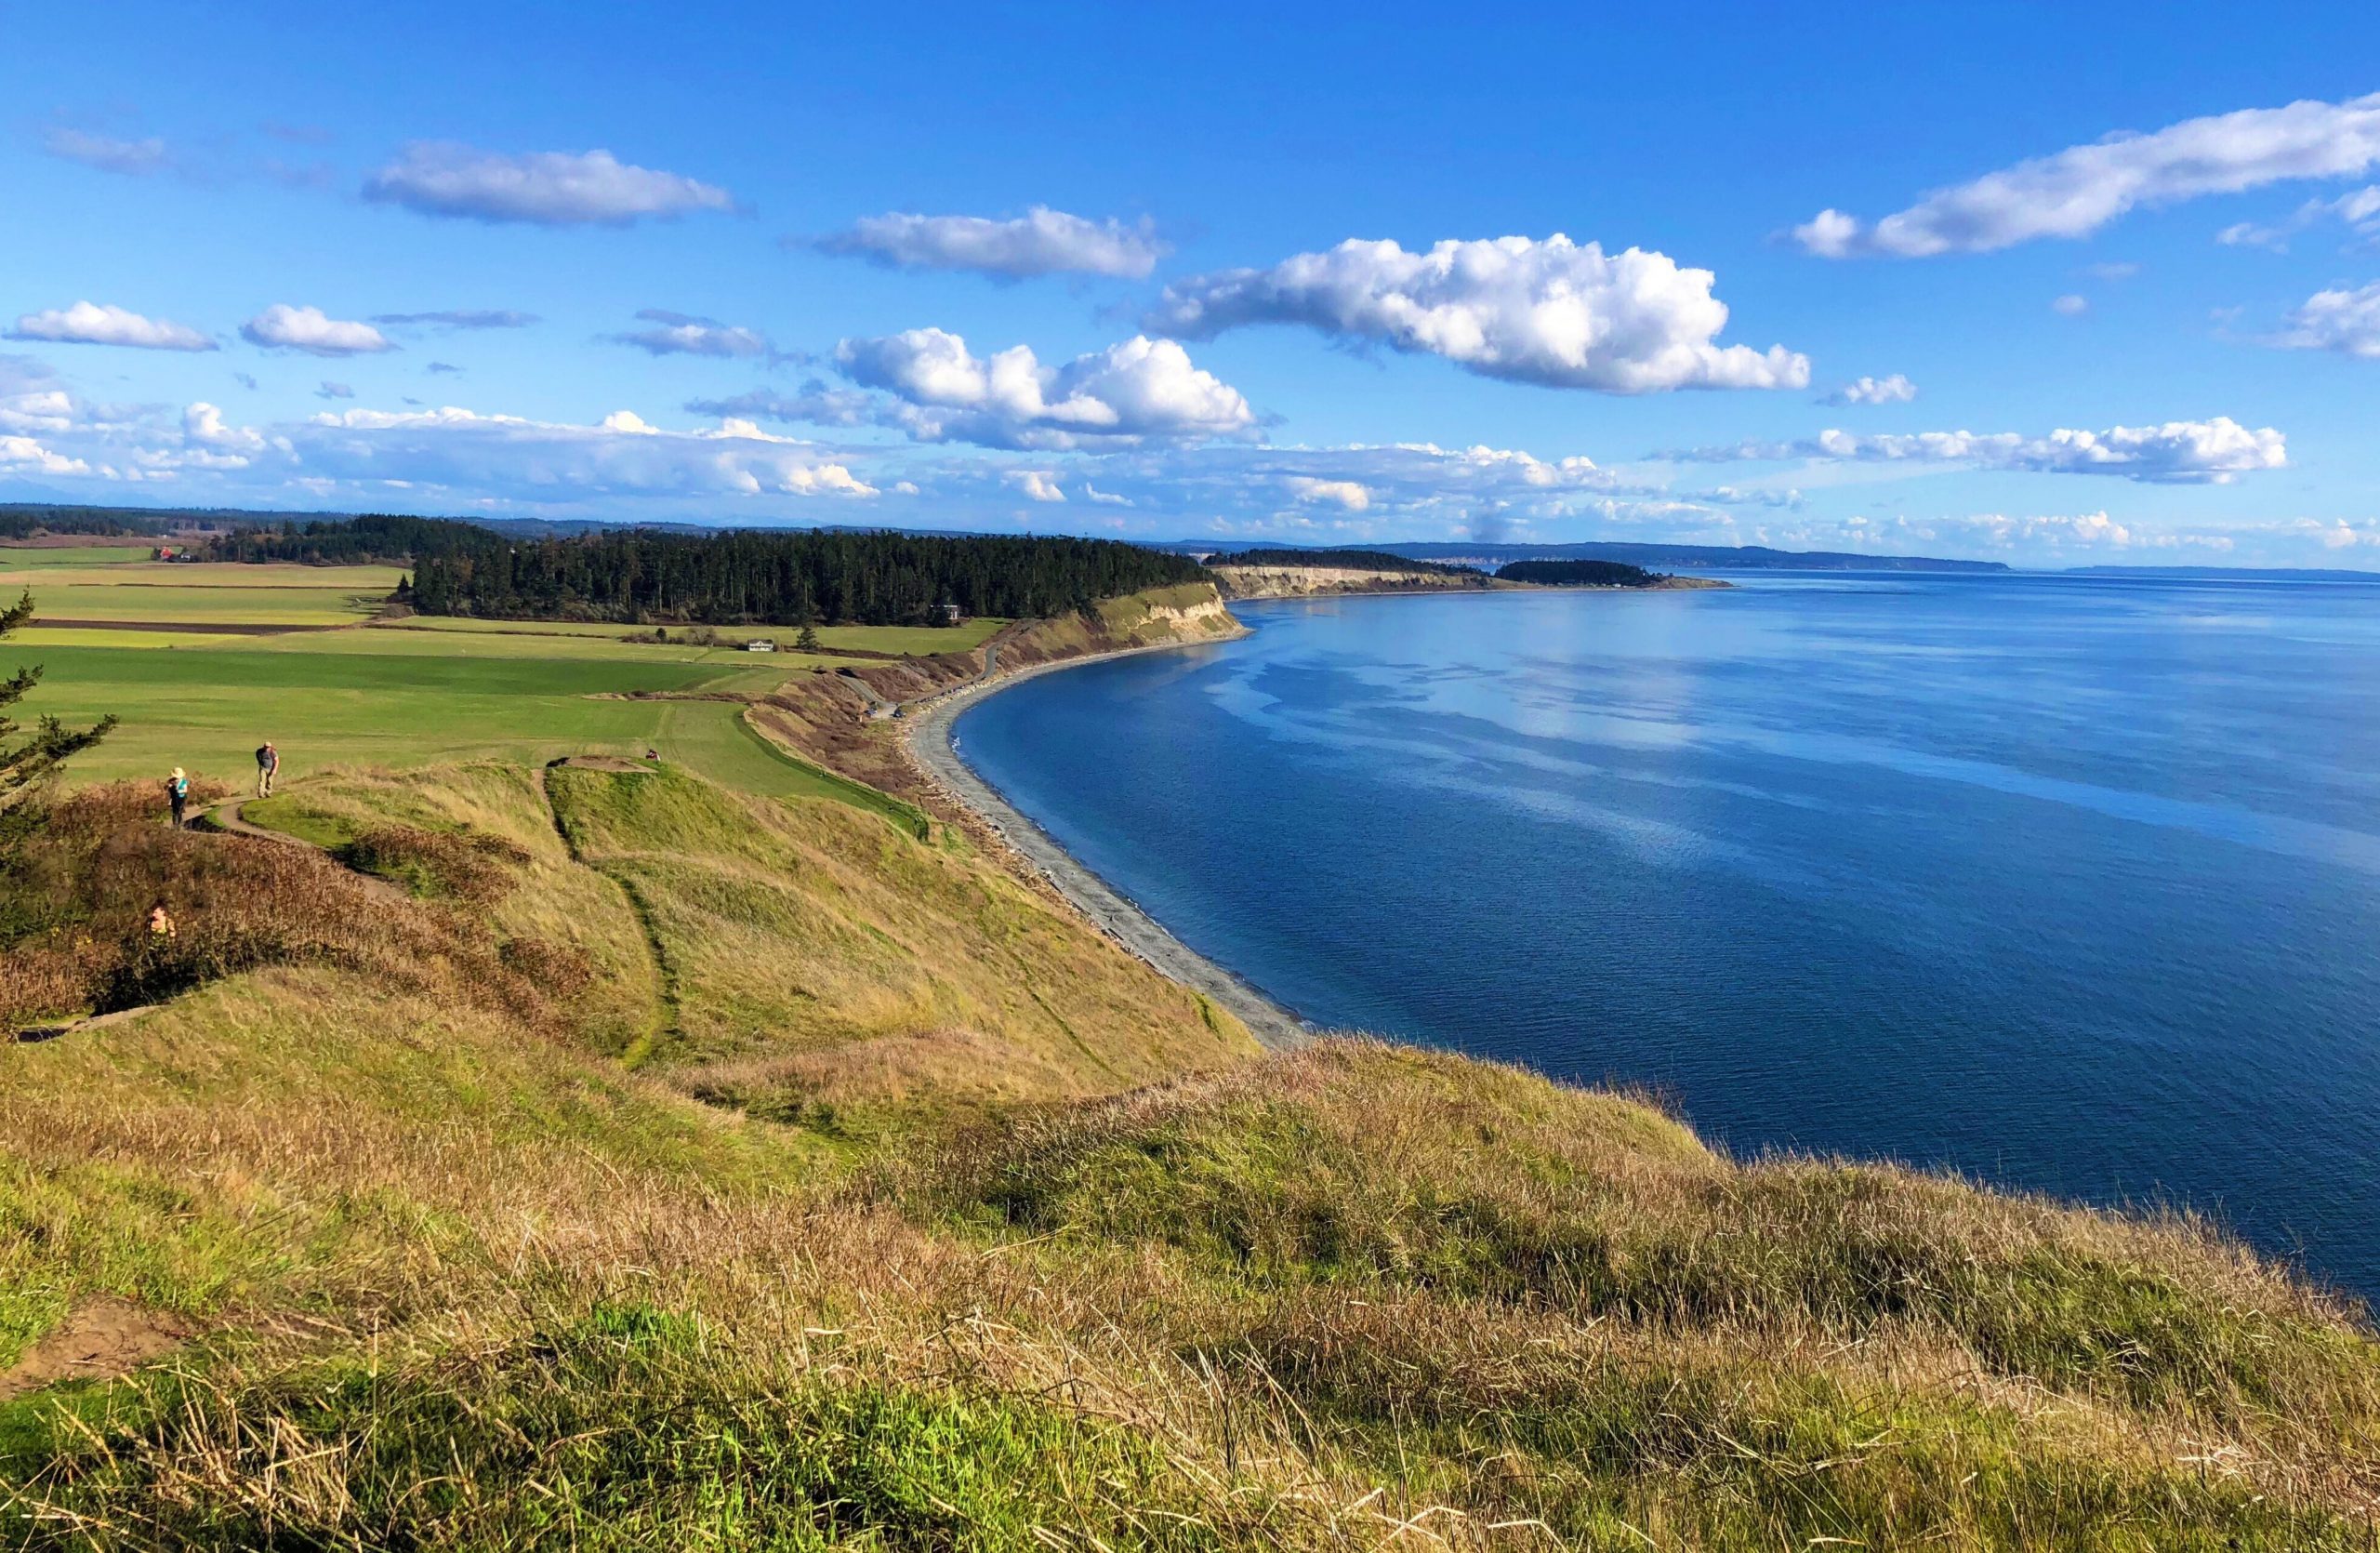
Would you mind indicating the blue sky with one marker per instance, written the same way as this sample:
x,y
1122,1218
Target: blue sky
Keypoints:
x,y
1340,276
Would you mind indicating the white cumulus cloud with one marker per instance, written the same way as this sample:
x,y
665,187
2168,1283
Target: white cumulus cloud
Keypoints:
x,y
1032,485
1137,388
2179,452
2080,190
102,323
1040,242
539,461
1894,390
1347,495
283,328
25,453
547,187
2336,320
203,424
2069,305
1548,312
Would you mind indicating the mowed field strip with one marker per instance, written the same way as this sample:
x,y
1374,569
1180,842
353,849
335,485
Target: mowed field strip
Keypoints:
x,y
295,654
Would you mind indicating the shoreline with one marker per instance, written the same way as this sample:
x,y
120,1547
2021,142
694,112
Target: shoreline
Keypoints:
x,y
929,742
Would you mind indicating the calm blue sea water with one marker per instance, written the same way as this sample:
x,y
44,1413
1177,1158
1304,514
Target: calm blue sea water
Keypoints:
x,y
2072,883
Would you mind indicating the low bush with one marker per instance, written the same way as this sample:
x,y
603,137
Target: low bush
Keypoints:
x,y
75,900
475,869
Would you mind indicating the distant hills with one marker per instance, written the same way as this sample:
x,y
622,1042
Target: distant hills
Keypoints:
x,y
1686,557
16,515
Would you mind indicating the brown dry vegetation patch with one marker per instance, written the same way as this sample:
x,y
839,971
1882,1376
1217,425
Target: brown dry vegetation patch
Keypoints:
x,y
77,896
100,1339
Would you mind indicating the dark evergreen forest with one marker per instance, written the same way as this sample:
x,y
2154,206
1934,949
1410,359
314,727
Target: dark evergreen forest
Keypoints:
x,y
741,578
1574,574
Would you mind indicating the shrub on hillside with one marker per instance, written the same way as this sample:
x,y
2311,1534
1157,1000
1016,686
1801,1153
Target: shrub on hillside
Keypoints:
x,y
438,862
74,904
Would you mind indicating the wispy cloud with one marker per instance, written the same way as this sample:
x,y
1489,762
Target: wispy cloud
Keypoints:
x,y
547,187
679,334
462,318
2359,210
103,323
2179,452
1040,242
132,158
2080,190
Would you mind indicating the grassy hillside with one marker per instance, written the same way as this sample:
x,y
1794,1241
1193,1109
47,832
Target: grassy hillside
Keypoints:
x,y
620,1162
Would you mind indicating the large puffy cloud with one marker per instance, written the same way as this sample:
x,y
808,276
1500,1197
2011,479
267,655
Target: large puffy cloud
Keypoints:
x,y
1040,242
2084,188
40,410
547,187
283,328
1137,388
2343,321
24,452
2181,451
1894,390
679,334
103,323
133,158
1551,312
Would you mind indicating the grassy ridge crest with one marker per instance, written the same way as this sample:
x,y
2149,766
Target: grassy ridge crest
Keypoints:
x,y
929,1219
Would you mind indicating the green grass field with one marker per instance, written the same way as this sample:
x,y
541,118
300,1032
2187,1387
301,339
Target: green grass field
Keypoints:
x,y
921,639
20,558
400,694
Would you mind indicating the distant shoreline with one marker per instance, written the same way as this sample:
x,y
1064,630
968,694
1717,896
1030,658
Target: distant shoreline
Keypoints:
x,y
927,735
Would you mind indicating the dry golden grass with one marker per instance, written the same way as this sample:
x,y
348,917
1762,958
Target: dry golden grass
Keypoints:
x,y
470,1286
810,948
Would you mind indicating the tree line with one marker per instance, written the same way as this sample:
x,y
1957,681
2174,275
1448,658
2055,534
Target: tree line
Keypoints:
x,y
1348,560
740,578
1575,573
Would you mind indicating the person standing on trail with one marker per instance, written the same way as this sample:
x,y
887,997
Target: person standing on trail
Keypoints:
x,y
178,794
268,766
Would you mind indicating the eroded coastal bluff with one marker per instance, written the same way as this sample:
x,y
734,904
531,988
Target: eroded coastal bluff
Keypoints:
x,y
585,1153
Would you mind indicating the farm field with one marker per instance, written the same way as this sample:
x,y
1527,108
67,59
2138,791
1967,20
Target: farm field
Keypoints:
x,y
202,663
15,558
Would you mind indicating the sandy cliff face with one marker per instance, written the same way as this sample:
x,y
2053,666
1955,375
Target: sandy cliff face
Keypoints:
x,y
837,720
1302,582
